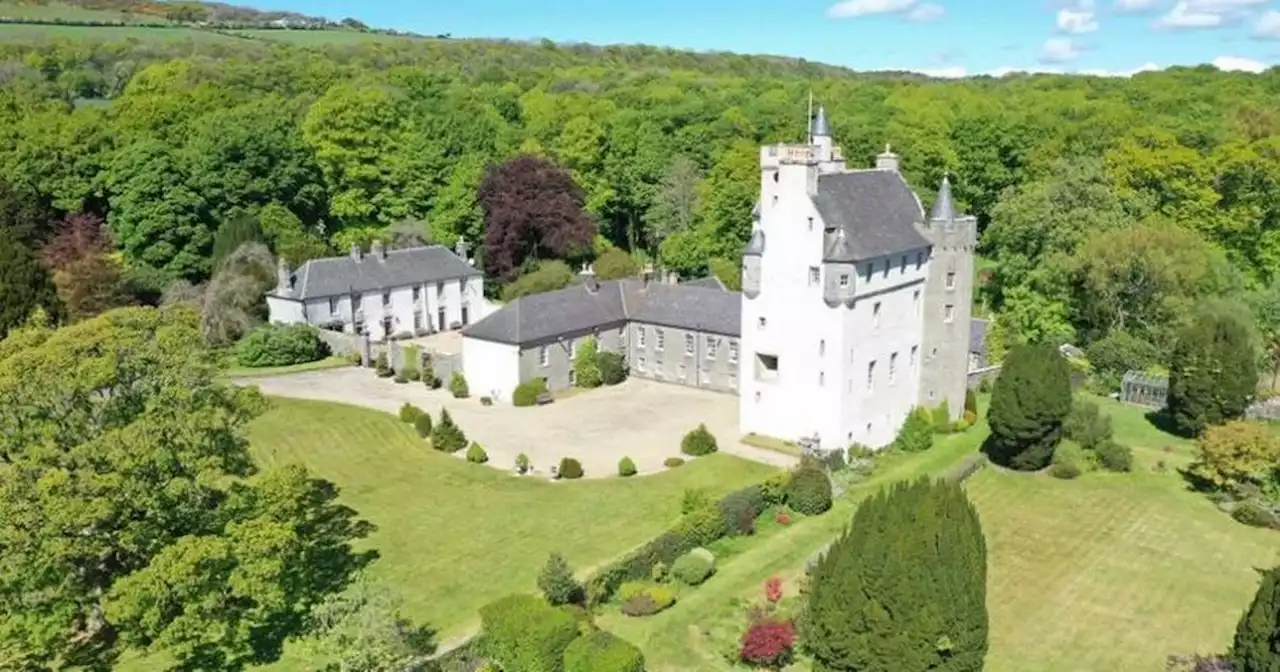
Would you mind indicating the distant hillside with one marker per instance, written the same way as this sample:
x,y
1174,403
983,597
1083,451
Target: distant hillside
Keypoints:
x,y
205,15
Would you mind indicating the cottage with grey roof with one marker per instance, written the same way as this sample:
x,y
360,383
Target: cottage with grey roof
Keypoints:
x,y
383,293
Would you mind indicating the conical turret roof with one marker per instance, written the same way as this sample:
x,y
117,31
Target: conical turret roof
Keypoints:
x,y
944,206
755,247
818,127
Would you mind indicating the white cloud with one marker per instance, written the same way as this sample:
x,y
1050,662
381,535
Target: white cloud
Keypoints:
x,y
1224,6
1077,21
1183,15
1058,50
1135,5
950,72
1238,63
1267,27
1103,72
926,12
853,8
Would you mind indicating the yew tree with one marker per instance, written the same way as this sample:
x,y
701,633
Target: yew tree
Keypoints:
x,y
532,210
1213,371
1032,398
131,513
24,284
1257,643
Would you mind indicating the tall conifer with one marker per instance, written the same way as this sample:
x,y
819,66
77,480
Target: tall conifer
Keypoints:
x,y
1257,644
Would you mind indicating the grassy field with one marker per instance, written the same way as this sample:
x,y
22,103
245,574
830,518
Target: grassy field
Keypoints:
x,y
321,365
27,32
57,11
1107,572
454,536
319,38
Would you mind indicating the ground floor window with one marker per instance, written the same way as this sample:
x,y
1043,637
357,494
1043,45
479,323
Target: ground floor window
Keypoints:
x,y
544,357
417,321
573,378
640,364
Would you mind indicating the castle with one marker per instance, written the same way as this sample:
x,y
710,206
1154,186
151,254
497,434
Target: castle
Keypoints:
x,y
855,303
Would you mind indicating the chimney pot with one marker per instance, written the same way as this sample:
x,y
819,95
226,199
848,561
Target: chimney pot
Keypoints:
x,y
356,252
378,250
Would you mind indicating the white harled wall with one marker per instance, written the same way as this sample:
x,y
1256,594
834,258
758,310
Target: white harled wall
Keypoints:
x,y
492,369
823,352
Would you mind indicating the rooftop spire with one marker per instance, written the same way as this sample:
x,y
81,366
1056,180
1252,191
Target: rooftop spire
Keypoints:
x,y
818,127
944,206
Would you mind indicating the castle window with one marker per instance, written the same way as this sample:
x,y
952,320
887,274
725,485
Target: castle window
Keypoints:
x,y
688,344
919,260
774,202
775,176
733,352
893,367
766,367
640,363
712,346
949,313
573,377
914,350
661,339
933,353
572,350
822,347
813,275
757,396
886,268
544,357
871,268
386,299
333,305
681,372
417,294
822,378
640,336
871,375
875,315
915,301
810,223
844,280
903,267
761,323
951,279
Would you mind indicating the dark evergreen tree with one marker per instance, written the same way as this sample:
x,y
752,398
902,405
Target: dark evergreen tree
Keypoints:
x,y
447,436
904,588
1257,644
233,233
24,214
1213,373
24,284
557,583
1031,399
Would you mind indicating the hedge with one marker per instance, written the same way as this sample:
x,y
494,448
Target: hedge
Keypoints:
x,y
281,345
527,393
523,632
602,651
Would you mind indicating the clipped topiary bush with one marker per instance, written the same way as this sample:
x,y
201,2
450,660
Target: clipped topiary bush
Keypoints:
x,y
523,632
694,567
645,599
410,413
698,442
586,364
809,491
970,402
740,509
774,488
916,435
446,436
626,467
523,464
613,367
702,525
458,386
476,454
1031,401
1256,514
281,345
527,393
1065,470
942,418
673,462
570,469
602,651
422,424
381,367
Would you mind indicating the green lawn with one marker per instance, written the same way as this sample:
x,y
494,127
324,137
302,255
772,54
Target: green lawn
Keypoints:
x,y
454,536
59,11
319,365
20,32
319,38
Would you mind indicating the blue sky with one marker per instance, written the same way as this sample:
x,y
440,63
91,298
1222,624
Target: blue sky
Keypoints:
x,y
941,37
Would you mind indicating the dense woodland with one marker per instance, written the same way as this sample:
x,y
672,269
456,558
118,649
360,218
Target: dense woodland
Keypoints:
x,y
1108,206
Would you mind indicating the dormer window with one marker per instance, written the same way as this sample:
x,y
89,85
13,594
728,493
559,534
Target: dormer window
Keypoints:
x,y
844,280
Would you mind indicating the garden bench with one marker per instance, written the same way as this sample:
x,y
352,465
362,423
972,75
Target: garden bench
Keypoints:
x,y
544,399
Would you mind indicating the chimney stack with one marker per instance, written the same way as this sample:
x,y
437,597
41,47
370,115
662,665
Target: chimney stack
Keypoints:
x,y
284,277
461,247
646,275
673,278
356,252
588,274
888,160
378,251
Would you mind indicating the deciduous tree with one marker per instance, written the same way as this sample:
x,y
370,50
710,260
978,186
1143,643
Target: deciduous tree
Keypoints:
x,y
532,210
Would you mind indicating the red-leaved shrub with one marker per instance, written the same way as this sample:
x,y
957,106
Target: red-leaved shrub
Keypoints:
x,y
773,589
768,644
782,518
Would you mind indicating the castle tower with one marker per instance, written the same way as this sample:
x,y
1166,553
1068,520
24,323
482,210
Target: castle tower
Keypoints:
x,y
948,303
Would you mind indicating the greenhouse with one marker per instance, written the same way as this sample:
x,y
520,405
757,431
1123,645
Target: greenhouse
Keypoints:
x,y
1144,389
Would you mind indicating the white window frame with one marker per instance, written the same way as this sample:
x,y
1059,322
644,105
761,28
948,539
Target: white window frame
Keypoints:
x,y
386,298
893,367
822,378
844,280
871,375
660,340
951,279
949,313
875,315
640,362
690,345
640,336
573,351
915,302
915,353
713,344
333,305
733,352
544,356
761,323
815,276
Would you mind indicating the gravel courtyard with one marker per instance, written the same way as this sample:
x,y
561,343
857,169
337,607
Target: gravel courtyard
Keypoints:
x,y
641,419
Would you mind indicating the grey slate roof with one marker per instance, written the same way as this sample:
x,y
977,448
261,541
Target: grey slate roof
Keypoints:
x,y
335,276
709,282
944,206
876,209
539,318
978,336
755,246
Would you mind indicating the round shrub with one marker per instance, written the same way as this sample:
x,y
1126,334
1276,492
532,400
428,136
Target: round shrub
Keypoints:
x,y
768,644
702,525
1066,470
645,599
740,509
673,462
527,393
698,442
486,401
281,345
809,491
400,379
602,651
476,454
382,367
626,467
422,424
694,567
410,413
774,488
916,435
523,632
613,368
446,436
458,386
523,463
570,468
1114,456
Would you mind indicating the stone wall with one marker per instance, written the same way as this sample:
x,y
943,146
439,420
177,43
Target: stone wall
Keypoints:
x,y
976,376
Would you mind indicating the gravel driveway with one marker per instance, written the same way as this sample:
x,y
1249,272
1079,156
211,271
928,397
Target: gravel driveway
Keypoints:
x,y
640,419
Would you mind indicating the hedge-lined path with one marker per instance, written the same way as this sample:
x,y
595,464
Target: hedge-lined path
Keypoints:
x,y
640,419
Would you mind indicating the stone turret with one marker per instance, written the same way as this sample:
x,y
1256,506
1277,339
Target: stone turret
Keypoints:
x,y
839,270
948,302
887,160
